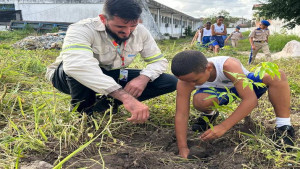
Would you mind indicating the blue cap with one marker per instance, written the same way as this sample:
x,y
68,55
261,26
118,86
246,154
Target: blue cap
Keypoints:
x,y
266,23
237,27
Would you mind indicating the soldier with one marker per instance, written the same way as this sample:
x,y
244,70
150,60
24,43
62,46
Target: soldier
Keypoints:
x,y
235,36
259,40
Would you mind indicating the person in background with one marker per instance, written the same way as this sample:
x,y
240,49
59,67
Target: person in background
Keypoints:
x,y
235,37
218,30
94,59
259,40
206,35
197,37
195,71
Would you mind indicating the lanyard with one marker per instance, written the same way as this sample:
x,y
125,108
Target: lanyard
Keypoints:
x,y
117,46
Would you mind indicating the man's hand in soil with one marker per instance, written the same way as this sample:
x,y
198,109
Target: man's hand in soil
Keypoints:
x,y
210,134
184,152
137,85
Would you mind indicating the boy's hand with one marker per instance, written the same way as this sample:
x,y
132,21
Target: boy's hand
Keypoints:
x,y
184,152
210,134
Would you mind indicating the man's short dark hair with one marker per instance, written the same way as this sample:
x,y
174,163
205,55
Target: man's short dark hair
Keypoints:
x,y
208,23
129,10
219,17
187,62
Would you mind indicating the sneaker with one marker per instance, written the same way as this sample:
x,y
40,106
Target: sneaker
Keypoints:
x,y
284,134
201,125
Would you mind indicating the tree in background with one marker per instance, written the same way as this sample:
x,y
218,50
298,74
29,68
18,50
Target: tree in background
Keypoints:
x,y
228,19
188,31
288,10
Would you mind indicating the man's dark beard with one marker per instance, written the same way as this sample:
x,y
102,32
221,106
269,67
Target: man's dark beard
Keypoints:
x,y
115,36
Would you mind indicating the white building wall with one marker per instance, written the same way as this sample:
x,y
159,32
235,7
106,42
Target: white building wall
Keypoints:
x,y
59,12
277,27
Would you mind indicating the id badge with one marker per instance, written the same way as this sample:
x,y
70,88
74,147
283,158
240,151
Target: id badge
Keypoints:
x,y
123,75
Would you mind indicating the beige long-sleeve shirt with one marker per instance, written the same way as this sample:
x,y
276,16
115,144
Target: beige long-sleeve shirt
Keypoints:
x,y
87,47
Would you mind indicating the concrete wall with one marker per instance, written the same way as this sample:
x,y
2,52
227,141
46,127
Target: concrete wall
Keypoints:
x,y
59,12
277,26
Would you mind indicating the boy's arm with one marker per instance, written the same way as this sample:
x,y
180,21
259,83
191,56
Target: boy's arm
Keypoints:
x,y
184,90
248,103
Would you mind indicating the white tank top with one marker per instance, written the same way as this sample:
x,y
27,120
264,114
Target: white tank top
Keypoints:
x,y
219,29
221,80
206,32
199,36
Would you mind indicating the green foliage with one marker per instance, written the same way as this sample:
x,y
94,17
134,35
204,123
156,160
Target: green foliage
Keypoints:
x,y
213,17
227,18
28,28
287,10
188,31
276,41
266,68
13,36
54,29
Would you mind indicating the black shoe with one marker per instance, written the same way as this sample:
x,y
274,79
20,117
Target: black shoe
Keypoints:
x,y
201,124
103,103
284,134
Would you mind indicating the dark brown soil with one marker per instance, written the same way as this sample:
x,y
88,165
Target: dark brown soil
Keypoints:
x,y
149,146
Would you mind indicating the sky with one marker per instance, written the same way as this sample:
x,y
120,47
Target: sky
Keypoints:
x,y
205,8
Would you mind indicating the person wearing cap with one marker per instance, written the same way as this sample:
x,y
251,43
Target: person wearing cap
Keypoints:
x,y
259,40
235,36
95,57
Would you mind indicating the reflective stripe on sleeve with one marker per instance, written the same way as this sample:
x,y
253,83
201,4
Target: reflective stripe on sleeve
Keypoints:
x,y
154,58
77,47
